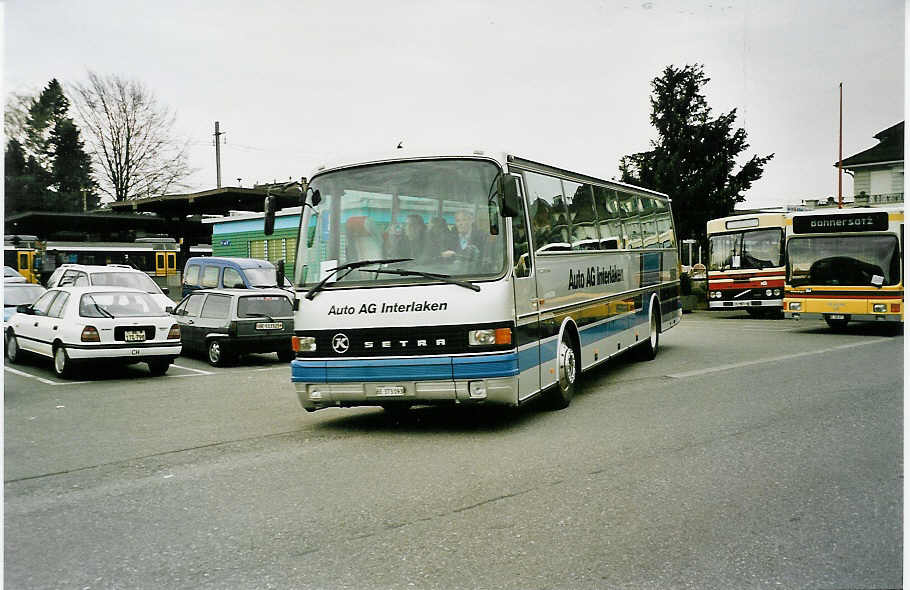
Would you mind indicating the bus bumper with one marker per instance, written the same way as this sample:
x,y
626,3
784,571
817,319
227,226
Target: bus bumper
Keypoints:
x,y
485,379
851,317
729,305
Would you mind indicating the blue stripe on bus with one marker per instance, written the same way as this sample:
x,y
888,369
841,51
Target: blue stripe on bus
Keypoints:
x,y
405,369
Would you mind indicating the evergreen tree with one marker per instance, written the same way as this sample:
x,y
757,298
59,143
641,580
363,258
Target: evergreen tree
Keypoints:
x,y
694,157
48,170
71,169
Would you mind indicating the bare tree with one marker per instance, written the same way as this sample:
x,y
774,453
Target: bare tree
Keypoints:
x,y
130,137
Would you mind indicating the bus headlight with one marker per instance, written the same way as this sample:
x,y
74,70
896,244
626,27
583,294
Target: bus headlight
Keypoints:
x,y
768,292
795,306
879,308
303,343
490,337
777,292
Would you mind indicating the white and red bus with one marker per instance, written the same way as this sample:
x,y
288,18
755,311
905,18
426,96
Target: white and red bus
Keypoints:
x,y
746,265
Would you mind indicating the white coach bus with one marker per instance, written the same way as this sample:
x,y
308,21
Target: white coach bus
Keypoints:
x,y
471,278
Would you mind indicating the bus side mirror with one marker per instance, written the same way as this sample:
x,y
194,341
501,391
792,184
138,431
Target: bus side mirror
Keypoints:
x,y
316,198
279,273
509,204
269,207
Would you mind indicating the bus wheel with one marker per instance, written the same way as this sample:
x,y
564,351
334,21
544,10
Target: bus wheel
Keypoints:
x,y
567,372
647,350
836,324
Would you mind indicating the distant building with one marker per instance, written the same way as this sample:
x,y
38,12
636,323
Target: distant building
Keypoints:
x,y
878,172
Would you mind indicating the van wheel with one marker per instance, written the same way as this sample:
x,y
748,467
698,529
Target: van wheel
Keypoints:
x,y
63,366
13,354
647,350
218,355
566,372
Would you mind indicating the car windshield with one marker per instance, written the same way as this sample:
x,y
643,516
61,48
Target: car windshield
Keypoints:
x,y
263,277
843,260
264,305
434,214
755,249
14,295
110,304
133,280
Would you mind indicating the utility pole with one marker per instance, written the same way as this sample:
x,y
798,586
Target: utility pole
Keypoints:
x,y
840,151
218,135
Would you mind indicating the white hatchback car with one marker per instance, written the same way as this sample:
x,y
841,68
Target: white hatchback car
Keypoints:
x,y
111,275
75,325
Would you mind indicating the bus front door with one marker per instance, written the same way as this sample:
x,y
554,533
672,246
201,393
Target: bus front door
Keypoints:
x,y
527,316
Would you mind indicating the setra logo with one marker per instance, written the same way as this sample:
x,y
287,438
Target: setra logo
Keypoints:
x,y
340,343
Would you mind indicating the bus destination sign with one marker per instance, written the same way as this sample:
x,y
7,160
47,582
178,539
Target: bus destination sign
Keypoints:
x,y
852,222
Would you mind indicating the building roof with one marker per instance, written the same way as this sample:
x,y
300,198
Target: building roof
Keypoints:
x,y
889,149
217,201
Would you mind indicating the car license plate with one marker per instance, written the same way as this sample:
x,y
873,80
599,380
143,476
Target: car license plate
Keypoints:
x,y
269,325
134,335
836,316
390,390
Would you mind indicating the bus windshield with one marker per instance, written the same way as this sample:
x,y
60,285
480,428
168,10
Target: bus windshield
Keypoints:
x,y
843,260
433,213
756,249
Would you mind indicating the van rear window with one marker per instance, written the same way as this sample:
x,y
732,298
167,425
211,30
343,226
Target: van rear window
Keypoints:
x,y
258,305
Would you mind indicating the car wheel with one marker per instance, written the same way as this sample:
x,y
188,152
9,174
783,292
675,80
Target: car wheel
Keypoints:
x,y
647,350
159,367
567,372
285,356
63,366
217,354
13,354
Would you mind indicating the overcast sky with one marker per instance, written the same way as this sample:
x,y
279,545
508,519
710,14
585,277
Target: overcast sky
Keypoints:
x,y
297,83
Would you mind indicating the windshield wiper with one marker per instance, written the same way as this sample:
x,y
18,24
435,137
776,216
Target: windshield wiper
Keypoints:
x,y
429,275
259,315
349,267
105,312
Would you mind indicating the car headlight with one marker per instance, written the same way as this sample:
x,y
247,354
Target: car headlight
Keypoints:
x,y
795,306
490,337
879,308
303,343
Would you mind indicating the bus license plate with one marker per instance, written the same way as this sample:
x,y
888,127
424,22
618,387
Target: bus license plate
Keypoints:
x,y
269,325
836,316
134,335
390,390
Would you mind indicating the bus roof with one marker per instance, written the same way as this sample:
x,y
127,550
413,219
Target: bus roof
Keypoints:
x,y
502,158
745,221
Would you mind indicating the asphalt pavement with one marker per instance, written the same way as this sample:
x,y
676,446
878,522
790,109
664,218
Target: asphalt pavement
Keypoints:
x,y
749,454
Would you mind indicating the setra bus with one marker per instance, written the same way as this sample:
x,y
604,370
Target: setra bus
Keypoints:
x,y
746,263
473,277
846,265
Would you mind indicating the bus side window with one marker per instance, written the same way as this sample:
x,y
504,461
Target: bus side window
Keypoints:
x,y
631,222
521,247
549,217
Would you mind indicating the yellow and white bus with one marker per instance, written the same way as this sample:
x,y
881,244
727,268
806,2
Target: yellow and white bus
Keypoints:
x,y
746,263
471,277
846,265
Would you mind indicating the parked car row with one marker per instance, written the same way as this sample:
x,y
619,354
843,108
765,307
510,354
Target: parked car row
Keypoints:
x,y
76,325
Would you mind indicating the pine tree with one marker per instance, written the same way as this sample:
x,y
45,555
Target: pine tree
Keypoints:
x,y
44,114
694,158
71,169
25,181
